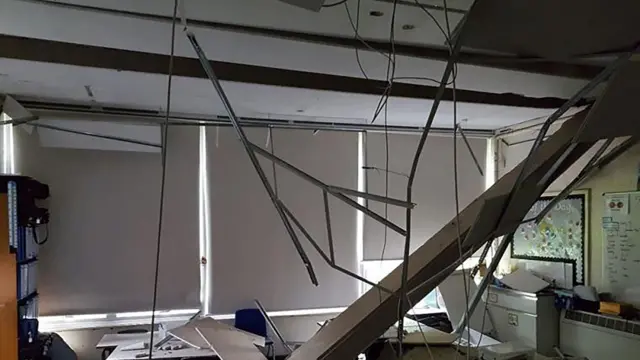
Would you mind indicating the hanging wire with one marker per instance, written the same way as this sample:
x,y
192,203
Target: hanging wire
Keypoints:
x,y
165,141
385,170
455,179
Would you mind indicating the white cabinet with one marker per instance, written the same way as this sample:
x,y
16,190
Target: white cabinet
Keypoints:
x,y
531,319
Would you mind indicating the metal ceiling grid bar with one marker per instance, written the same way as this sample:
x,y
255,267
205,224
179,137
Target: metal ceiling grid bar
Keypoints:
x,y
596,163
100,136
324,256
328,188
584,91
252,156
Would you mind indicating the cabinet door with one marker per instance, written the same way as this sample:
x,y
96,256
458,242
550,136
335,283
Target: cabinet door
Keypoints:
x,y
513,325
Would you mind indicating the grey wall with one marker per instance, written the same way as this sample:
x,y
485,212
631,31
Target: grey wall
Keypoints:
x,y
433,189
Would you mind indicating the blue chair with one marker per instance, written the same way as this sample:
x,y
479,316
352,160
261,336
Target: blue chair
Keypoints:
x,y
251,320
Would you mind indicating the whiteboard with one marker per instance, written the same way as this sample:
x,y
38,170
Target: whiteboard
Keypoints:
x,y
621,234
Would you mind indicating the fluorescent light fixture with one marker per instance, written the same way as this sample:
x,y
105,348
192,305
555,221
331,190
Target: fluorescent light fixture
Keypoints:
x,y
8,157
359,214
307,312
159,313
87,317
204,224
490,164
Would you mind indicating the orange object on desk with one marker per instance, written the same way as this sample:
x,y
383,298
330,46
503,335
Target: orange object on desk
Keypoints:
x,y
614,308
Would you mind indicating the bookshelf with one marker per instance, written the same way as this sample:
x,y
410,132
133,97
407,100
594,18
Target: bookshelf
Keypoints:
x,y
19,217
8,285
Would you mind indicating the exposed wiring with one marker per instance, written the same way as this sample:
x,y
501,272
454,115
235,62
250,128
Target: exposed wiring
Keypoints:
x,y
385,170
386,191
334,4
35,234
455,178
484,314
163,176
424,337
446,34
356,28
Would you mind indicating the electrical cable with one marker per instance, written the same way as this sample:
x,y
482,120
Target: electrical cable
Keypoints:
x,y
484,315
356,28
455,179
334,4
35,235
424,337
386,170
447,35
163,176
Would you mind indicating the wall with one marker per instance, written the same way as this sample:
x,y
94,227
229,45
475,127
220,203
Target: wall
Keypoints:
x,y
620,175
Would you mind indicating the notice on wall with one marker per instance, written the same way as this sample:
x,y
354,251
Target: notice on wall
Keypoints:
x,y
621,233
616,204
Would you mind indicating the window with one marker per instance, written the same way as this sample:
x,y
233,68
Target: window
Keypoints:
x,y
375,271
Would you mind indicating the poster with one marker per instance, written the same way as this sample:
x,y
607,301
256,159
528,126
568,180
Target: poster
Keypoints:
x,y
559,236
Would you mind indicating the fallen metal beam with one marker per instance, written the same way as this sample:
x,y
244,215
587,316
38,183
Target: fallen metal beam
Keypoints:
x,y
327,217
20,121
204,62
273,326
372,314
595,164
327,188
486,280
448,70
99,136
584,91
473,155
374,197
324,256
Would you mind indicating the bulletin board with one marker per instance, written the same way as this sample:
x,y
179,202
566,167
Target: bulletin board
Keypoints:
x,y
562,236
621,234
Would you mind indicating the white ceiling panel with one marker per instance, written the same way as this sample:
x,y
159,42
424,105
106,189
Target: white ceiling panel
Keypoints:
x,y
197,97
115,31
275,14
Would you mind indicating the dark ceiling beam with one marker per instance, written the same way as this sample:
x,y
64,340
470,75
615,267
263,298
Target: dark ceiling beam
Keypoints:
x,y
504,62
48,51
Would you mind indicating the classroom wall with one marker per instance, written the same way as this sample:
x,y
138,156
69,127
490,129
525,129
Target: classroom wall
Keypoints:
x,y
620,175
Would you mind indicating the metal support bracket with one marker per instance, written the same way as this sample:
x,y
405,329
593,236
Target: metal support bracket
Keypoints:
x,y
249,150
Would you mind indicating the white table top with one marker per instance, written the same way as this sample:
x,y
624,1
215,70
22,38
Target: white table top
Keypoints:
x,y
113,340
121,354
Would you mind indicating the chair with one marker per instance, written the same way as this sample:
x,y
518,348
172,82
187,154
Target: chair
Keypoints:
x,y
251,320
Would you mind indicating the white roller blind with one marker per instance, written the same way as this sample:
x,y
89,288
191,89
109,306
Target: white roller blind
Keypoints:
x,y
104,218
254,257
433,189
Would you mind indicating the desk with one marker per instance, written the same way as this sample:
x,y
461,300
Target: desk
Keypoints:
x,y
115,340
121,354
